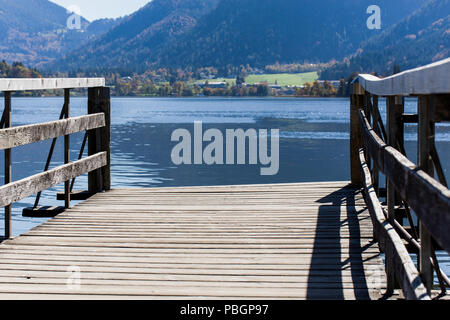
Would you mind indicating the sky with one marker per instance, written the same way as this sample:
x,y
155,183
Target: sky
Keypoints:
x,y
96,9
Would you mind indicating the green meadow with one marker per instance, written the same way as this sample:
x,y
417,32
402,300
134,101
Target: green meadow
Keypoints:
x,y
282,79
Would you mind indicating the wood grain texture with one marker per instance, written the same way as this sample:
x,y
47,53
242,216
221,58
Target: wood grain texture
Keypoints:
x,y
21,189
429,79
19,136
49,83
286,241
6,119
356,103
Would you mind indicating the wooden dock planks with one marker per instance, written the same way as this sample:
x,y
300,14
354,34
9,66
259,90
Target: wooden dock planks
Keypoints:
x,y
286,241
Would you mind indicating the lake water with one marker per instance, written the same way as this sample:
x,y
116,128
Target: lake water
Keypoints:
x,y
314,142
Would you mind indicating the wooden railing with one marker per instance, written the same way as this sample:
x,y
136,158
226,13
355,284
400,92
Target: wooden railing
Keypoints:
x,y
97,134
410,189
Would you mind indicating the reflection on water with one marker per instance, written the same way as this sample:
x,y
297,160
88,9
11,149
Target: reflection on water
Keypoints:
x,y
314,144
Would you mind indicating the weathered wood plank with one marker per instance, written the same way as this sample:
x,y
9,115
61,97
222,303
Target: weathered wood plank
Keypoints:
x,y
67,148
49,83
21,189
42,212
424,147
19,136
36,276
188,268
286,262
75,195
7,163
182,240
441,105
146,252
192,282
188,291
429,79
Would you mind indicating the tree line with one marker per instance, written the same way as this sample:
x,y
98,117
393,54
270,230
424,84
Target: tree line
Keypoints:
x,y
166,82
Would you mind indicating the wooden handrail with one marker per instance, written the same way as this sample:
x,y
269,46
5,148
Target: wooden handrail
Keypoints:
x,y
429,79
21,189
429,199
19,136
96,124
410,189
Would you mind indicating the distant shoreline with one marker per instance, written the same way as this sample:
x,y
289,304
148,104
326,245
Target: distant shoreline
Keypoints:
x,y
191,97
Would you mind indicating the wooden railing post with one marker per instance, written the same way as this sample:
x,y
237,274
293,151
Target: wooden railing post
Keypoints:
x,y
394,111
356,103
425,143
105,107
7,124
67,148
375,125
395,138
99,139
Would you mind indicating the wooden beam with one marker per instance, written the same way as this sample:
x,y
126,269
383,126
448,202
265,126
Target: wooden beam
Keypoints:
x,y
441,103
94,178
356,103
21,189
425,145
392,137
67,148
49,83
19,136
430,79
376,126
75,195
395,139
99,139
105,140
42,212
7,124
410,118
391,243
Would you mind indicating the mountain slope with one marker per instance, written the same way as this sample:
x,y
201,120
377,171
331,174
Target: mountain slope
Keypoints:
x,y
420,39
134,42
181,33
35,31
259,32
30,16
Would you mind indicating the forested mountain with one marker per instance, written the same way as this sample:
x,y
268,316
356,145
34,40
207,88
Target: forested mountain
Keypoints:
x,y
180,33
35,31
219,33
422,38
260,32
134,43
101,26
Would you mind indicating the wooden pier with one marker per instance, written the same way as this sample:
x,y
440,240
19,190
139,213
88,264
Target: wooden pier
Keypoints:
x,y
298,241
284,241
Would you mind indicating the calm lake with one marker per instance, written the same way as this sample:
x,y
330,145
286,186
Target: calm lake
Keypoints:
x,y
314,142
